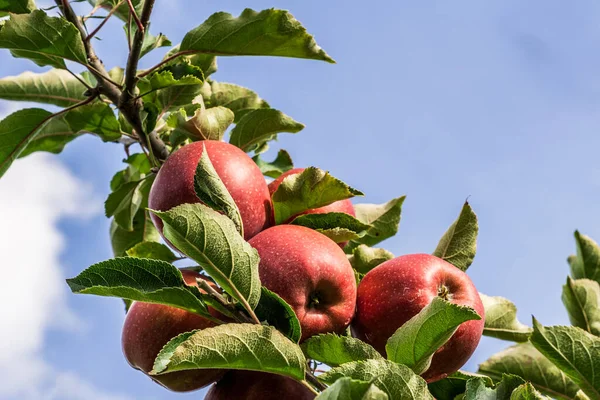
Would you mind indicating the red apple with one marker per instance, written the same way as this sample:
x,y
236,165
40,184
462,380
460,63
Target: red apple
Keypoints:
x,y
249,385
311,273
395,291
148,327
174,184
343,206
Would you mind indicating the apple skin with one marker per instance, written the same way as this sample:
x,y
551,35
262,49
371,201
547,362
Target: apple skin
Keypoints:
x,y
310,272
174,183
396,290
250,385
343,206
148,327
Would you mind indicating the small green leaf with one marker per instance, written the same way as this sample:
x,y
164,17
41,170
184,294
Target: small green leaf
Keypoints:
x,y
310,189
238,99
266,33
586,265
581,297
458,245
211,190
351,389
152,250
16,7
365,258
17,131
339,227
396,380
477,389
527,392
335,350
172,75
415,342
260,126
138,167
151,42
211,239
206,62
125,202
524,360
383,218
172,98
44,40
455,384
282,163
57,87
143,230
123,11
573,350
233,346
278,313
205,124
501,320
150,281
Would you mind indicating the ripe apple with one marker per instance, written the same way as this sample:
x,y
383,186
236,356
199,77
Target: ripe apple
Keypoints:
x,y
250,385
343,206
311,273
174,183
148,327
396,290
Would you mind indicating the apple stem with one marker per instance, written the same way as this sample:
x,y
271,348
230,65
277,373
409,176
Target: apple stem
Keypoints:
x,y
240,316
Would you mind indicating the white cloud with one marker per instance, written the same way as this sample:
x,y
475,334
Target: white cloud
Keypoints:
x,y
35,194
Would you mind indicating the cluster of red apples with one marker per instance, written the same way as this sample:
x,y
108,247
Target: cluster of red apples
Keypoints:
x,y
305,268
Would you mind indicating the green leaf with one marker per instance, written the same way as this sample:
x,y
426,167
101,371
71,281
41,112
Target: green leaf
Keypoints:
x,y
151,42
455,384
260,126
173,97
206,62
138,279
138,167
172,75
581,297
312,188
458,245
383,218
278,313
205,124
211,239
351,389
143,230
125,202
97,118
152,250
16,132
57,87
527,392
44,40
477,390
335,350
16,7
415,342
211,190
238,99
524,360
586,265
339,227
233,346
282,163
267,33
123,11
365,258
52,137
501,320
573,350
396,380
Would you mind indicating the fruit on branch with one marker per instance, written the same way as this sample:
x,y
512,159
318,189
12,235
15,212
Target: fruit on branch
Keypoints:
x,y
148,327
310,272
395,291
250,385
174,183
343,206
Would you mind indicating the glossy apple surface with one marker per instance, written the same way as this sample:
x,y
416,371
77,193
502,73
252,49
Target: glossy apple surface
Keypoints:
x,y
395,291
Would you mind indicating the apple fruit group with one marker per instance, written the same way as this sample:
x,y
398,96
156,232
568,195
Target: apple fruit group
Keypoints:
x,y
250,385
310,272
343,206
398,289
174,183
148,327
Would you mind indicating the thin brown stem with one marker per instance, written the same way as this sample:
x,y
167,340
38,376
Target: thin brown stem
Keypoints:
x,y
219,297
104,21
129,32
166,60
314,381
84,83
134,54
132,12
91,14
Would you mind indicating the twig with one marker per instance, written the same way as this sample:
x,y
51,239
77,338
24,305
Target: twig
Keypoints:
x,y
84,83
166,60
112,11
129,31
106,78
132,12
134,54
94,10
219,297
314,381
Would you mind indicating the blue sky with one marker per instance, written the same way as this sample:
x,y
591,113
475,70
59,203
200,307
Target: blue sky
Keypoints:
x,y
494,101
